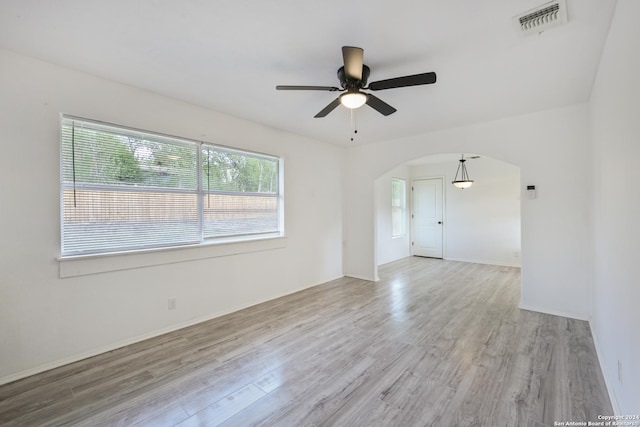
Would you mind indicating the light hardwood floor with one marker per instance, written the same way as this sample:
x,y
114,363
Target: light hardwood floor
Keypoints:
x,y
433,343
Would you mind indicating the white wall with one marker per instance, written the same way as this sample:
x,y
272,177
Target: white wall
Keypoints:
x,y
481,223
551,148
615,119
45,320
390,248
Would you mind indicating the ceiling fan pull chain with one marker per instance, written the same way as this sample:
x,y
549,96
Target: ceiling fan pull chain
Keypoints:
x,y
354,124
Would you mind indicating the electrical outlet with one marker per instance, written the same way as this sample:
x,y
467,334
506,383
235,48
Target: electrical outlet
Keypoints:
x,y
620,371
172,303
516,254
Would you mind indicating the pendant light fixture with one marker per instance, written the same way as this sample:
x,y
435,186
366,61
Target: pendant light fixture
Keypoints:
x,y
464,181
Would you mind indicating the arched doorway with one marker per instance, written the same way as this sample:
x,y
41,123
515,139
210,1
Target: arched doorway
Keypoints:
x,y
480,224
548,147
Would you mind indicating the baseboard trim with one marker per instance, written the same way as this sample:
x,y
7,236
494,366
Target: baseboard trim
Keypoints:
x,y
553,312
368,279
607,382
484,261
104,349
110,347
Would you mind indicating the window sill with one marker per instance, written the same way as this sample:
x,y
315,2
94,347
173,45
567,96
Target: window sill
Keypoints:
x,y
82,265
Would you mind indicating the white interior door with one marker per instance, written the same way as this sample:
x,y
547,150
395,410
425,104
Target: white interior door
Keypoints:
x,y
426,217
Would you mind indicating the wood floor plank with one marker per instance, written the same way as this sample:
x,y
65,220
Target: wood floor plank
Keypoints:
x,y
220,411
432,343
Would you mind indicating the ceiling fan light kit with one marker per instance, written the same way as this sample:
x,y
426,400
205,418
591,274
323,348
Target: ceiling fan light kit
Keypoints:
x,y
353,77
353,99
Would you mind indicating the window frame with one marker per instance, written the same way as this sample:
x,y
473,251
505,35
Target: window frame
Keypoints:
x,y
199,192
402,207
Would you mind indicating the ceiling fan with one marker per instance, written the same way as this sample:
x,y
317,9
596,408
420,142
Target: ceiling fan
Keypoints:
x,y
353,79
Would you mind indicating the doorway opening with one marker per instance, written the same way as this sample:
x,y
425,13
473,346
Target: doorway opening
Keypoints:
x,y
479,224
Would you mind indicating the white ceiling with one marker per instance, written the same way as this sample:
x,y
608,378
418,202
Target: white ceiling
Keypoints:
x,y
451,158
228,55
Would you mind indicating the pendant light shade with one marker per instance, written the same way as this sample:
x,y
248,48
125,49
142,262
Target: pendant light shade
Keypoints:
x,y
462,180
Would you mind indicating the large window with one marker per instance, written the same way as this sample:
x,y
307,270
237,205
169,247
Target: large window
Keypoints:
x,y
398,207
123,190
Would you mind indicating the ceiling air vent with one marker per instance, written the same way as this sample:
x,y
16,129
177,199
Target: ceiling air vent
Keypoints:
x,y
540,19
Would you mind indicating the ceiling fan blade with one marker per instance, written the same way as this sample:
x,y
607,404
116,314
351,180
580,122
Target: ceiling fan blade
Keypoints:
x,y
326,88
329,108
379,105
353,58
414,80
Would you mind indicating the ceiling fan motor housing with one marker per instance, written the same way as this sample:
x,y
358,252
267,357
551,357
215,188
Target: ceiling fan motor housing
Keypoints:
x,y
347,83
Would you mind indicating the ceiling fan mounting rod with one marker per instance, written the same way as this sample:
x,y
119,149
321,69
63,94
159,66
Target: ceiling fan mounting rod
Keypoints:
x,y
346,82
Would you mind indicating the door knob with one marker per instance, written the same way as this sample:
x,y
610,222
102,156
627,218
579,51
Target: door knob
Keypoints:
x,y
439,222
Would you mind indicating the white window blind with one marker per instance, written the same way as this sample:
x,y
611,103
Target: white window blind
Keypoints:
x,y
123,189
240,193
398,207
